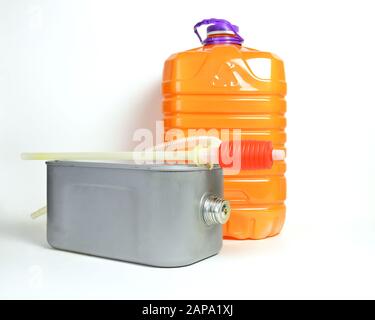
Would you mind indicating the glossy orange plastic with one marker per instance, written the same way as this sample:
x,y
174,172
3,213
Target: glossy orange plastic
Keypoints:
x,y
229,86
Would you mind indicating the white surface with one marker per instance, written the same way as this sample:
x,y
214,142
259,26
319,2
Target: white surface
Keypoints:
x,y
73,78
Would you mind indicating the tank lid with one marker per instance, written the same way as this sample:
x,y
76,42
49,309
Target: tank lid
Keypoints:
x,y
132,166
219,31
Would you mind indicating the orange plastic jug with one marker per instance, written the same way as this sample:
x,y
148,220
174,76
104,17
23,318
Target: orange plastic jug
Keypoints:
x,y
224,85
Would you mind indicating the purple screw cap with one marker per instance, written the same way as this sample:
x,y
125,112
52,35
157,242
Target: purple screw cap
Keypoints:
x,y
215,26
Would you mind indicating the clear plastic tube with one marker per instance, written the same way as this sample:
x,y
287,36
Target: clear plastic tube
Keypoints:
x,y
38,213
155,153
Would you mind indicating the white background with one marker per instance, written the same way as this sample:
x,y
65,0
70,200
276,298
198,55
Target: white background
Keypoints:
x,y
82,75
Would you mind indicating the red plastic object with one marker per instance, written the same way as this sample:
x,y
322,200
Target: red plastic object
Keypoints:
x,y
253,154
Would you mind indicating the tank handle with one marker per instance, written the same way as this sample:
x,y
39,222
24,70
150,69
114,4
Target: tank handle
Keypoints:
x,y
212,21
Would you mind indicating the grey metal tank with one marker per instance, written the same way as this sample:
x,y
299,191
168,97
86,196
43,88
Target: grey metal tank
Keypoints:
x,y
159,215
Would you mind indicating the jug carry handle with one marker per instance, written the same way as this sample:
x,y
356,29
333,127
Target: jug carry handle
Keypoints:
x,y
212,21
